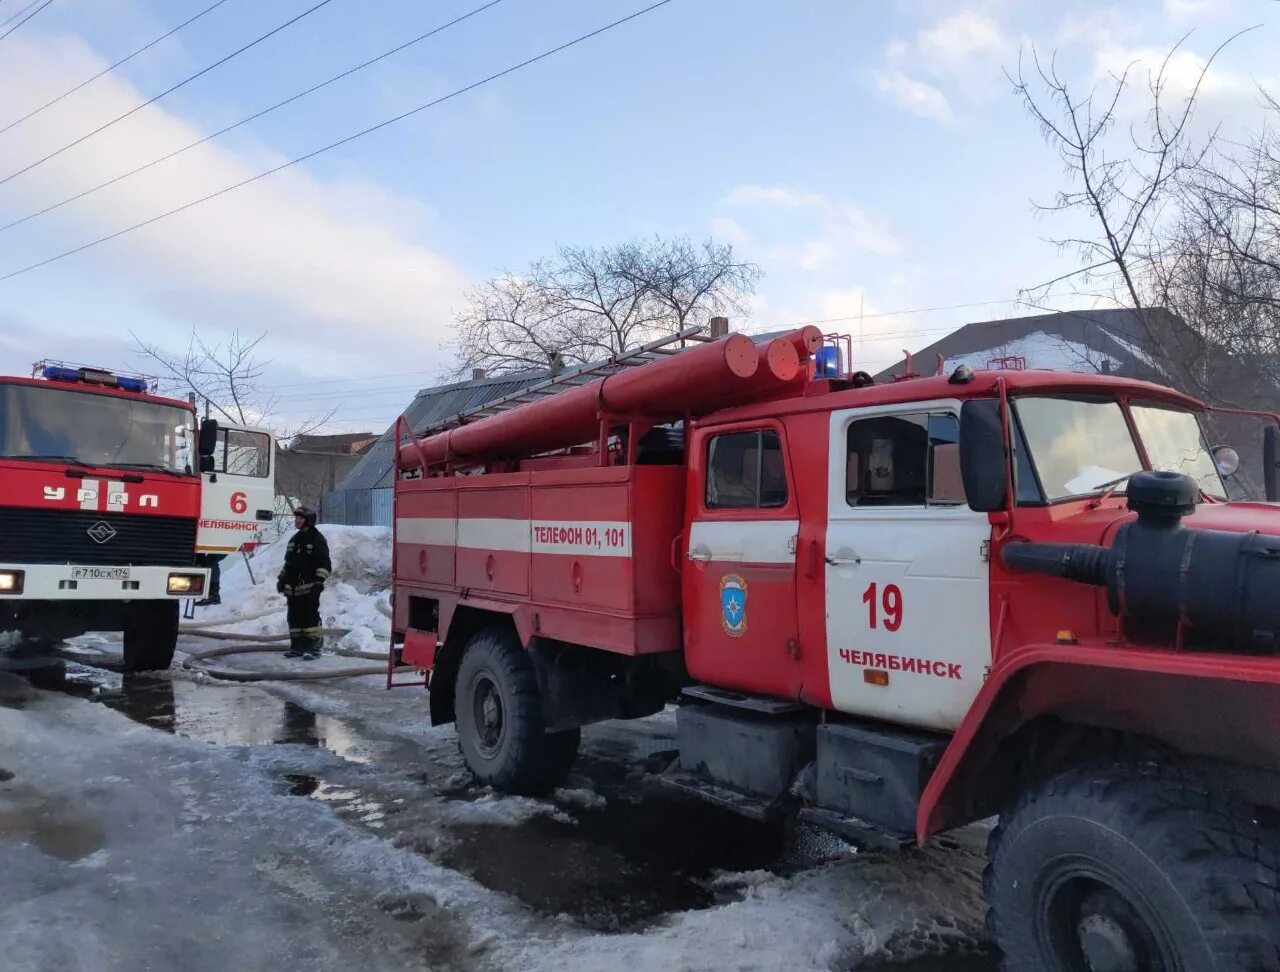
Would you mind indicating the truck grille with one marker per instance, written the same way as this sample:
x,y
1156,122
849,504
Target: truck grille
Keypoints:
x,y
86,537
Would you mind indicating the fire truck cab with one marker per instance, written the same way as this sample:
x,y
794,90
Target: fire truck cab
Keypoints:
x,y
887,609
99,497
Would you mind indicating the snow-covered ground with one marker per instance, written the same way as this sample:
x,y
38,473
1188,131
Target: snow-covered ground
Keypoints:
x,y
329,826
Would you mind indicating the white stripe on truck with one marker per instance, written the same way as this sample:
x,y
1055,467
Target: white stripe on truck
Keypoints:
x,y
593,538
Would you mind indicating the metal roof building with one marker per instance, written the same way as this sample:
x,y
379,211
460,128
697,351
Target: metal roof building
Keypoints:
x,y
363,498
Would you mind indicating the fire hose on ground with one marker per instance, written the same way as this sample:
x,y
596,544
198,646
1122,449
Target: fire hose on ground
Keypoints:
x,y
193,660
251,643
258,643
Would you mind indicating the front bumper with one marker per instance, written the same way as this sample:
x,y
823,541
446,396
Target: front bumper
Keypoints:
x,y
99,582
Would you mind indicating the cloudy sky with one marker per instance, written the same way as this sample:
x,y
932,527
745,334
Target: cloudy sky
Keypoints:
x,y
868,155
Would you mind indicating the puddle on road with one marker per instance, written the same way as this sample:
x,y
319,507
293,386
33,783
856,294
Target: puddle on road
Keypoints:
x,y
67,840
226,714
617,867
352,804
56,829
611,867
620,867
14,693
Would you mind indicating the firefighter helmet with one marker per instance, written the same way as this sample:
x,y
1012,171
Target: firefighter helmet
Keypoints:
x,y
308,515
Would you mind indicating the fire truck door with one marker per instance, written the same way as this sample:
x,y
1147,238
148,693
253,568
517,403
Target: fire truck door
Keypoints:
x,y
740,578
237,499
908,618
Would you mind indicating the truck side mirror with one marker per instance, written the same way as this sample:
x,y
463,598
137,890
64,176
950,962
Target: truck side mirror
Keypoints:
x,y
207,464
983,460
1226,459
1270,448
208,439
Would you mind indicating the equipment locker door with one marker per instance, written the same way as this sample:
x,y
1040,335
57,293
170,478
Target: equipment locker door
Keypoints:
x,y
907,594
740,582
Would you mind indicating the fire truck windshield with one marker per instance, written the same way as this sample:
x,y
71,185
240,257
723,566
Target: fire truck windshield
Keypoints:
x,y
1081,446
57,424
1175,442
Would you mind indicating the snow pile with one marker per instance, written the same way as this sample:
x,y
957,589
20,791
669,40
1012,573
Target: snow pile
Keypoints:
x,y
356,596
580,798
500,810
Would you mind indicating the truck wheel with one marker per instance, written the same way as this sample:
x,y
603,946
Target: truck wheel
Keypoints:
x,y
1133,868
499,718
150,635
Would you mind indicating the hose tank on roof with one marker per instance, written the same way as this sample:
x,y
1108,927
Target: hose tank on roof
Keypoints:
x,y
730,371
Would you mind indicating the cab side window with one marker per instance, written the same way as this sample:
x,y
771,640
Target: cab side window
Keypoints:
x,y
243,453
904,460
745,470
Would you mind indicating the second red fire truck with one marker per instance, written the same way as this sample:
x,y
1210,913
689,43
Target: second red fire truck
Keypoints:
x,y
107,491
891,609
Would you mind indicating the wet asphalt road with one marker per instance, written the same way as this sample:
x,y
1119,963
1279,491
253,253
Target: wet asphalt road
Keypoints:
x,y
634,855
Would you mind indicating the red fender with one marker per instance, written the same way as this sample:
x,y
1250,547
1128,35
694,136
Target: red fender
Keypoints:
x,y
521,614
1225,706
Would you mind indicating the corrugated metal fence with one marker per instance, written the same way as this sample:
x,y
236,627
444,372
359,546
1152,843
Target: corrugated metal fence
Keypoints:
x,y
357,507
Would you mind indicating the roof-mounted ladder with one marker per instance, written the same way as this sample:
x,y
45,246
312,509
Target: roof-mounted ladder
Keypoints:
x,y
645,353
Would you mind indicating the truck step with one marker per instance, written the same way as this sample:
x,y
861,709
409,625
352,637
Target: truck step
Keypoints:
x,y
855,830
743,804
741,700
394,666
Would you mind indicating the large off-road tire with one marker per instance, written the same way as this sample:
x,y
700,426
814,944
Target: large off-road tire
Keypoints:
x,y
499,718
1133,868
150,635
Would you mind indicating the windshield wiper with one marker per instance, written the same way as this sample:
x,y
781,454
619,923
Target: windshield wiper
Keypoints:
x,y
1113,483
1110,485
150,466
72,460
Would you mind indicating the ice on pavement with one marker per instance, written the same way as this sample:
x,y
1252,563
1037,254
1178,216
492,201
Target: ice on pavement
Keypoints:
x,y
831,916
250,869
355,597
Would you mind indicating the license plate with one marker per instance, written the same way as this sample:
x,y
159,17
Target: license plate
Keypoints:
x,y
100,573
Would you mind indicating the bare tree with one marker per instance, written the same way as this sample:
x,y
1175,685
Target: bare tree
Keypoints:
x,y
1124,190
588,303
1218,267
229,377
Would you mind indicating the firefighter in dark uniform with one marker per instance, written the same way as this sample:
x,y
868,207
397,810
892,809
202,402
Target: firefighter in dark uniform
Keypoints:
x,y
306,568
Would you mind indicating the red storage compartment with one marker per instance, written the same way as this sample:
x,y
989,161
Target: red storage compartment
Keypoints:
x,y
493,534
582,545
426,534
587,554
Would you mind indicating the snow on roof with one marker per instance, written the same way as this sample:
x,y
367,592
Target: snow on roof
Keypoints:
x,y
1039,350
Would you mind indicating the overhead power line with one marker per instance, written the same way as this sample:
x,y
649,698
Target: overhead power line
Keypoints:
x,y
167,91
26,18
342,141
343,381
253,117
896,313
6,23
108,70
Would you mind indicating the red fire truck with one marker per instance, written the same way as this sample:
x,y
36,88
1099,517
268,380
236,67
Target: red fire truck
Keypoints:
x,y
891,609
99,498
